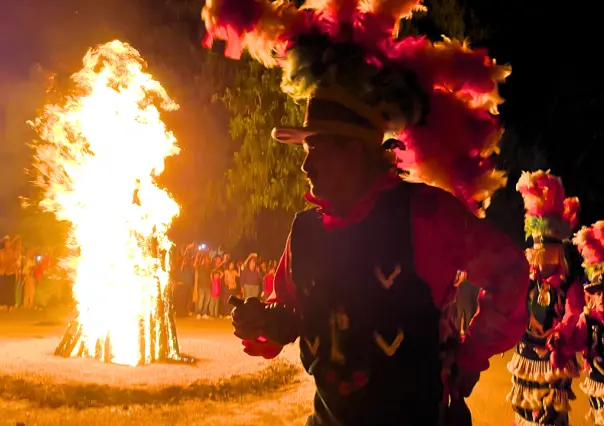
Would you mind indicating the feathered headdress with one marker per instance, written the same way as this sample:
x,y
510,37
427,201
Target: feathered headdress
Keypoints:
x,y
344,58
548,212
590,243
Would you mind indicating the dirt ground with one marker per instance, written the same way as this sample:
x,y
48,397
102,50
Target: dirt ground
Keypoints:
x,y
225,388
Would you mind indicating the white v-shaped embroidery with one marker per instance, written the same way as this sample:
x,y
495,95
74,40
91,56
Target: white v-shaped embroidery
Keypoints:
x,y
387,282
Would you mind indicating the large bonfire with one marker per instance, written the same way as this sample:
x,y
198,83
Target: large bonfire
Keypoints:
x,y
96,160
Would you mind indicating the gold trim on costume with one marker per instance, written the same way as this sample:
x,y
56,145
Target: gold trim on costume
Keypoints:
x,y
387,282
314,346
336,354
389,349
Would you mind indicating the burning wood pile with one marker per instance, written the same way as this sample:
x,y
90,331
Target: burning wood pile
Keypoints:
x,y
97,156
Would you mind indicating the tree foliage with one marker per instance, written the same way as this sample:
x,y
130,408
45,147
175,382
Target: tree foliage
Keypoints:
x,y
265,175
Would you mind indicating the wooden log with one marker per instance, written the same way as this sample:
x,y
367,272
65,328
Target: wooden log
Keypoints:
x,y
163,349
142,342
70,340
157,332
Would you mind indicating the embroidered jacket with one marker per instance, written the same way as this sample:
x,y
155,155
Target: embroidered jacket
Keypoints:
x,y
369,329
585,336
445,238
550,302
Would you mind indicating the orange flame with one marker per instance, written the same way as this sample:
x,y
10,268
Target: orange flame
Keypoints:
x,y
96,159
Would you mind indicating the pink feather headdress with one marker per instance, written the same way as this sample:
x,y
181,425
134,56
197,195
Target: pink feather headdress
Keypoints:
x,y
548,211
590,243
438,99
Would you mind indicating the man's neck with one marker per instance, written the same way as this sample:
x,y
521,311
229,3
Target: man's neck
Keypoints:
x,y
347,200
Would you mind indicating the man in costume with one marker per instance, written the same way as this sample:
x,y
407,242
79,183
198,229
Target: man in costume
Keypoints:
x,y
540,394
366,274
587,334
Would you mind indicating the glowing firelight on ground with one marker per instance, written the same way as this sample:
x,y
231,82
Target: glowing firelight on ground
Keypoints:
x,y
98,153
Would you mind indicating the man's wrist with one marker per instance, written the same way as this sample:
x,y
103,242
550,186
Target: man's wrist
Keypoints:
x,y
282,324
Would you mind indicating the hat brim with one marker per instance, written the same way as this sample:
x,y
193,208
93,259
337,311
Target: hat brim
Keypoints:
x,y
591,288
294,135
297,135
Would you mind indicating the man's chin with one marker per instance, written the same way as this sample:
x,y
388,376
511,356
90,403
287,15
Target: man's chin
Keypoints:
x,y
316,192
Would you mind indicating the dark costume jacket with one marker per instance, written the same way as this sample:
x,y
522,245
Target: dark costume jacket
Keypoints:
x,y
585,336
369,318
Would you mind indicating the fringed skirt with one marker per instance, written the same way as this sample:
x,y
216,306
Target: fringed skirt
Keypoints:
x,y
595,390
540,394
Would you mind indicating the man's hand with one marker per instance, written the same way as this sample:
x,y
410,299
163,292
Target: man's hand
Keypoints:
x,y
249,319
553,341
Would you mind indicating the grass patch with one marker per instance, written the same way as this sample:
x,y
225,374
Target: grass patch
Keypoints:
x,y
44,393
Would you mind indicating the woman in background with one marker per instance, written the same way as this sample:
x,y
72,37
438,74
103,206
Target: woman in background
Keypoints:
x,y
28,279
215,293
231,276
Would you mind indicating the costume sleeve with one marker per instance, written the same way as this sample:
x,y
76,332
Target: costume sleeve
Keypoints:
x,y
575,302
283,292
573,339
448,238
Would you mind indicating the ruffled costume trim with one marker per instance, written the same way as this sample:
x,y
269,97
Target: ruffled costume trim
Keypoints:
x,y
541,371
540,399
595,416
521,421
537,399
594,389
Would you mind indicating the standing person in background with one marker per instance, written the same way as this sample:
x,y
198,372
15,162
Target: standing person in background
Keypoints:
x,y
8,269
230,278
214,307
19,281
43,263
217,262
203,286
540,393
269,281
186,281
251,280
585,334
28,278
239,267
4,287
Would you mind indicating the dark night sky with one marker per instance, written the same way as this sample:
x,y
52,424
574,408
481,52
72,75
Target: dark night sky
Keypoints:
x,y
555,95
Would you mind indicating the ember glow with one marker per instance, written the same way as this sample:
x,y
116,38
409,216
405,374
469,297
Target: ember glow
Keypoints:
x,y
98,153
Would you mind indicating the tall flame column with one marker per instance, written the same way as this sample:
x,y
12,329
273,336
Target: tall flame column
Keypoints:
x,y
98,154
